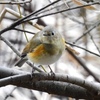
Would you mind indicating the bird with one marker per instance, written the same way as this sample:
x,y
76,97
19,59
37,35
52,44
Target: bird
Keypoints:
x,y
45,47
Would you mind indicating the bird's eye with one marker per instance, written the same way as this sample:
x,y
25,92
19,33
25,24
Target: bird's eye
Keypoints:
x,y
52,33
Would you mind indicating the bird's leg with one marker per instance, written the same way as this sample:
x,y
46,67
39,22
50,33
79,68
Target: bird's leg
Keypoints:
x,y
51,71
33,69
43,68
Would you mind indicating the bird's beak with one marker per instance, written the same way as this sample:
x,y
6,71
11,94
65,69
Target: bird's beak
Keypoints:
x,y
45,34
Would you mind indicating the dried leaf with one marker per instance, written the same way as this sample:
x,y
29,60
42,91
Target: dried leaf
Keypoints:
x,y
81,4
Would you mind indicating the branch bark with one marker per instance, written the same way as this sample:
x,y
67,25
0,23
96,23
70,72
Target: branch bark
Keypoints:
x,y
53,84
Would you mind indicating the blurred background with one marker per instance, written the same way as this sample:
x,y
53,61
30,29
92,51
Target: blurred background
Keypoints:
x,y
72,24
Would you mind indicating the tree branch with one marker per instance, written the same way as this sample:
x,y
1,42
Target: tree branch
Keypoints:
x,y
55,84
16,23
84,66
17,52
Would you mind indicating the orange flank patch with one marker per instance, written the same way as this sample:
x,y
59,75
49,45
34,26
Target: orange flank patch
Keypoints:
x,y
37,52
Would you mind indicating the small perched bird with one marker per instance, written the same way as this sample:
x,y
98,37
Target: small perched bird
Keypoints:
x,y
45,47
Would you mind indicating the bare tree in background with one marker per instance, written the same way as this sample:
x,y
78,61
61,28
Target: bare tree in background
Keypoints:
x,y
75,76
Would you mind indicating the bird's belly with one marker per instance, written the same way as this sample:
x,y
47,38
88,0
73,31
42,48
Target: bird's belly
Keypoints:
x,y
44,59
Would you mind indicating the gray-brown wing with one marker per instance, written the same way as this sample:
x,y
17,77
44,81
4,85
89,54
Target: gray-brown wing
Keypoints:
x,y
33,43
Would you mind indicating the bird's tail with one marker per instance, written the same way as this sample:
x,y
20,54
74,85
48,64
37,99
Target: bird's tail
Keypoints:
x,y
20,62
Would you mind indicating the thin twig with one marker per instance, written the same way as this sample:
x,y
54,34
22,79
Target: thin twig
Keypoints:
x,y
8,95
83,49
23,30
86,32
15,3
94,43
91,36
